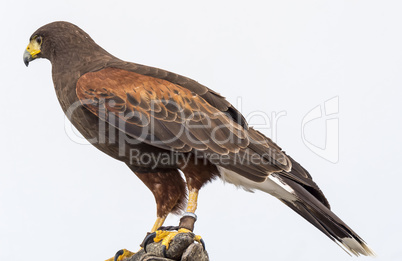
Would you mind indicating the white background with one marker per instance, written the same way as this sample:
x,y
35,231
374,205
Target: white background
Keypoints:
x,y
63,201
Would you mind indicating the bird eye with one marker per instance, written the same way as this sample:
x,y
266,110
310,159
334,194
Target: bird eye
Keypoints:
x,y
39,40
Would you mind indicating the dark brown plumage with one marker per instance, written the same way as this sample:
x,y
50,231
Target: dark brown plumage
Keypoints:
x,y
123,107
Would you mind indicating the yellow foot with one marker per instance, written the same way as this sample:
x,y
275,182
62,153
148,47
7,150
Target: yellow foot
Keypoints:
x,y
166,236
121,255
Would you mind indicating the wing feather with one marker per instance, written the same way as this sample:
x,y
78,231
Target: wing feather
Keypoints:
x,y
169,116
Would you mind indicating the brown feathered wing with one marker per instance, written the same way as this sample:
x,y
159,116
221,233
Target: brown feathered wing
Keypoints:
x,y
169,116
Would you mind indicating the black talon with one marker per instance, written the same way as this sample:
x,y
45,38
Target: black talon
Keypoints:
x,y
118,253
148,238
164,251
203,244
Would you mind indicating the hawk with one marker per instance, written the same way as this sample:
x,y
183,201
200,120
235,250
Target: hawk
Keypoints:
x,y
160,124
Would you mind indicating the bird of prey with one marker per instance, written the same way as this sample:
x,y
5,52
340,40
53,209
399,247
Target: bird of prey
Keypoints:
x,y
160,123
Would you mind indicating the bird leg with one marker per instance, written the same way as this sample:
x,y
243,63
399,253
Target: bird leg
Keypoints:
x,y
158,223
124,253
189,217
192,201
196,174
186,225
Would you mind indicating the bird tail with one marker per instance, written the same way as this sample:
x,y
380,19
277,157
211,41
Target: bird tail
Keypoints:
x,y
298,198
307,206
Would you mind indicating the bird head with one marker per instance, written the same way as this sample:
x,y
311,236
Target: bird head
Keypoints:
x,y
56,40
33,49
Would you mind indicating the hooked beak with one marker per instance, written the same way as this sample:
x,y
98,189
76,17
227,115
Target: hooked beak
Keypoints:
x,y
31,52
27,58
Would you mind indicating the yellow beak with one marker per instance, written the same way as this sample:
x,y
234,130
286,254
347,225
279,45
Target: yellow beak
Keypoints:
x,y
31,52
